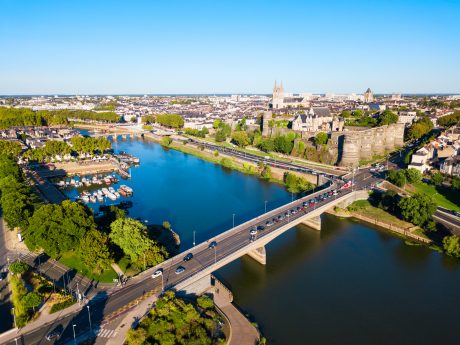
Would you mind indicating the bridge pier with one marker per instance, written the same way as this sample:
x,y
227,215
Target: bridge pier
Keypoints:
x,y
259,255
313,222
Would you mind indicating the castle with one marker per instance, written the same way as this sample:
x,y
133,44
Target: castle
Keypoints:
x,y
281,100
357,145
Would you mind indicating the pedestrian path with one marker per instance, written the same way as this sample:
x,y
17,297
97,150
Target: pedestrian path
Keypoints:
x,y
106,333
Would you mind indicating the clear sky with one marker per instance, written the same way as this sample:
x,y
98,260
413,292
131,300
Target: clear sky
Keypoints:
x,y
88,47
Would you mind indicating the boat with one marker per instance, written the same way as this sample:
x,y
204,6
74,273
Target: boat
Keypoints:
x,y
92,198
127,189
111,190
100,198
111,196
99,192
117,194
85,198
122,192
105,191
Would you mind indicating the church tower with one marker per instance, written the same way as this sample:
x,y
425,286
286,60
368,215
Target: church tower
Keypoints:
x,y
278,96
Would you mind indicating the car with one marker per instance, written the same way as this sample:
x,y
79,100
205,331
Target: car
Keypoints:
x,y
260,227
457,214
55,333
293,211
253,232
157,273
281,217
180,269
212,244
188,257
305,203
269,223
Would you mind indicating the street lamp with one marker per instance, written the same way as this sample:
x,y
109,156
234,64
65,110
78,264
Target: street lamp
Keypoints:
x,y
233,220
14,317
89,318
16,340
194,238
74,339
265,206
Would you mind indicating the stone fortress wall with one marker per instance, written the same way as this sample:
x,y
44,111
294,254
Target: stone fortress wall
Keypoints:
x,y
364,144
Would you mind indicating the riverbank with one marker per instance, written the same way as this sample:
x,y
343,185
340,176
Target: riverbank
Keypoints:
x,y
363,211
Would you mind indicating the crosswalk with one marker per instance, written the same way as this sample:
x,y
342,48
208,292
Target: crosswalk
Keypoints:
x,y
106,333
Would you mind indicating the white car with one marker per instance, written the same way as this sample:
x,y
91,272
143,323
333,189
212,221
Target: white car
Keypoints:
x,y
253,232
157,273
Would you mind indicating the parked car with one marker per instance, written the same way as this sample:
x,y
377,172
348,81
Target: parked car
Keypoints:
x,y
212,244
253,232
188,257
260,227
55,333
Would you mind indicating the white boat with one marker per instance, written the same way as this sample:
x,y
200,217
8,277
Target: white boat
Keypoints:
x,y
92,198
100,198
111,190
126,188
117,194
111,196
99,192
105,191
85,198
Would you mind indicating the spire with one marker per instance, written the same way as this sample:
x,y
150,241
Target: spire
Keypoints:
x,y
281,86
274,88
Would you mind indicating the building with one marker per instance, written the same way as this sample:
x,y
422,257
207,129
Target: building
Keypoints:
x,y
368,96
407,117
420,159
451,166
281,100
316,119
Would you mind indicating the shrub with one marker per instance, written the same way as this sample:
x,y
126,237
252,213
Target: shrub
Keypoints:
x,y
166,141
19,267
62,305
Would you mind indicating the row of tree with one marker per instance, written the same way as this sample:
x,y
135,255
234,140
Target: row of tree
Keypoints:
x,y
78,145
449,120
16,196
420,128
10,148
10,117
170,120
197,133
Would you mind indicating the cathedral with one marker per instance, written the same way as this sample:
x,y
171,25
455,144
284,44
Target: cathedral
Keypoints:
x,y
280,100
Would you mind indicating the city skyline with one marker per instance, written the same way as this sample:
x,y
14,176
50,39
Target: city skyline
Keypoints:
x,y
237,48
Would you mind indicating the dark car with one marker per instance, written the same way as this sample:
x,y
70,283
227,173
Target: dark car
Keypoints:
x,y
188,257
180,269
260,227
212,244
55,333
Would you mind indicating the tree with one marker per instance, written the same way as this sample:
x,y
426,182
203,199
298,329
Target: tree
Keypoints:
x,y
59,228
283,144
148,119
131,236
266,172
397,177
32,300
358,113
417,209
216,124
346,114
240,138
456,182
170,120
321,138
220,136
267,145
413,175
388,201
451,245
387,117
205,302
10,148
437,178
19,267
94,251
166,141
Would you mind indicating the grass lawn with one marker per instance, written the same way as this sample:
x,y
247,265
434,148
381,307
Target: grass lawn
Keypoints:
x,y
70,259
448,199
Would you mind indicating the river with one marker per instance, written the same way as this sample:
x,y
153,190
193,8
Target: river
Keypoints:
x,y
347,284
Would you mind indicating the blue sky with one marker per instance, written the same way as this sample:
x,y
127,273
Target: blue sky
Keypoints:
x,y
87,47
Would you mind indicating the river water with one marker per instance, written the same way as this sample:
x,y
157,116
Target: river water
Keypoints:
x,y
348,284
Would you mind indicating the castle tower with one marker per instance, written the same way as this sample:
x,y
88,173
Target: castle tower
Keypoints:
x,y
268,115
399,134
367,138
379,141
390,138
351,149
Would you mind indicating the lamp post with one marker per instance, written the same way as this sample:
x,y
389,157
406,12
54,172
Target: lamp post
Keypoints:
x,y
233,220
74,339
16,340
265,206
89,318
194,238
14,317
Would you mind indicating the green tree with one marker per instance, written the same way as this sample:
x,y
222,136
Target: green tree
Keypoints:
x,y
32,300
417,209
451,245
216,124
220,136
456,182
397,177
358,113
437,178
131,236
321,138
166,141
413,175
170,120
240,138
283,144
266,172
267,145
205,302
94,251
10,148
346,114
387,118
19,267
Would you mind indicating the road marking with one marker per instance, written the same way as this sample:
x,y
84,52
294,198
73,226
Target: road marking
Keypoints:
x,y
106,333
